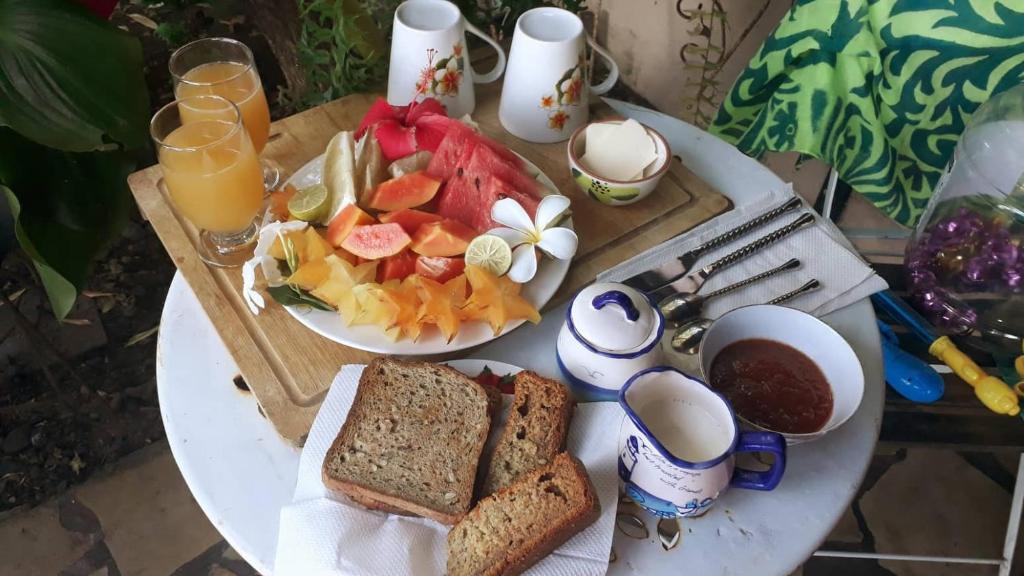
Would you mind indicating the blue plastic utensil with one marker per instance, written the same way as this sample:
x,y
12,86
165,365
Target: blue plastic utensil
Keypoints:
x,y
995,394
912,377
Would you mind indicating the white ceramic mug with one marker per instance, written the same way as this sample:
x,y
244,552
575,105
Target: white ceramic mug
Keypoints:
x,y
679,441
546,91
429,57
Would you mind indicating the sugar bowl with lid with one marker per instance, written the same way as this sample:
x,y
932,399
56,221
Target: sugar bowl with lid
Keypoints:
x,y
611,332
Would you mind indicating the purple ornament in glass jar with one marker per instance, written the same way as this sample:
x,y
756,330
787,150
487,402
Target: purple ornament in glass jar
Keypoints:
x,y
971,236
1013,276
978,270
921,279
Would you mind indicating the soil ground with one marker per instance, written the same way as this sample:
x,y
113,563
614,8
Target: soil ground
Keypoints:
x,y
106,406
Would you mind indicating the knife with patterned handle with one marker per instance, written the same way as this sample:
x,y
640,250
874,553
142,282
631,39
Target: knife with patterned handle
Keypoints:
x,y
652,279
692,282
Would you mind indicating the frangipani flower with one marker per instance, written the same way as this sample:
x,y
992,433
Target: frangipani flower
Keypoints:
x,y
572,88
262,259
523,234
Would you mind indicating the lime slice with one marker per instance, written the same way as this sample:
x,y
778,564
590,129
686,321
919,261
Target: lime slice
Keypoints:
x,y
490,253
310,203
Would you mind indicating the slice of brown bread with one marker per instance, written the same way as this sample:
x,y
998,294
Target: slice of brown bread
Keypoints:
x,y
535,431
371,504
511,530
412,440
494,401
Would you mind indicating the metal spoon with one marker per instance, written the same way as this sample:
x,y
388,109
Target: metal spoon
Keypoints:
x,y
682,307
688,336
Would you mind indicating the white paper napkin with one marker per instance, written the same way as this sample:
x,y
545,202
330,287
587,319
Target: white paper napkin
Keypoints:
x,y
323,533
823,251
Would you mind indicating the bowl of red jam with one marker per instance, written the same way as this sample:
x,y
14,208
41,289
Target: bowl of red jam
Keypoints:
x,y
782,370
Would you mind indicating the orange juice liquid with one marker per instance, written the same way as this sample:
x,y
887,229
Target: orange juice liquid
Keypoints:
x,y
235,82
220,187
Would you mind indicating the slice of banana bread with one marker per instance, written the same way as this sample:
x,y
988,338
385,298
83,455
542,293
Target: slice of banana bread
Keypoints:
x,y
535,431
412,440
511,530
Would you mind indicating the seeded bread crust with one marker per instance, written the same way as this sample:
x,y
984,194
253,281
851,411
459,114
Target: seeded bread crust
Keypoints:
x,y
371,504
535,432
512,529
412,440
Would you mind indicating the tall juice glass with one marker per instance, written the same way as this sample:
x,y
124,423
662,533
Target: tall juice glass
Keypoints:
x,y
225,67
212,174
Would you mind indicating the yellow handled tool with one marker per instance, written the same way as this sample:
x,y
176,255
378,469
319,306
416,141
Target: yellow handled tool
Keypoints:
x,y
993,392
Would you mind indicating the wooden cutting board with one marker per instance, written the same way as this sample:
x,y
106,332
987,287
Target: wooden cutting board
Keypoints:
x,y
289,367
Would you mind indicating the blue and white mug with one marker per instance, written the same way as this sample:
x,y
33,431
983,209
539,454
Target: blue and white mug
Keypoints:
x,y
679,440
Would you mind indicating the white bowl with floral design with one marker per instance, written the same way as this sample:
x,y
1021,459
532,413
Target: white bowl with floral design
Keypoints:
x,y
617,192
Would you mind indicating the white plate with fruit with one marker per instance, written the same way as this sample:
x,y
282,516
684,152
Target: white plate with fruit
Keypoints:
x,y
405,252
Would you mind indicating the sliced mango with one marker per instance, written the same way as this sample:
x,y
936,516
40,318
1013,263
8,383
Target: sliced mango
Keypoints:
x,y
279,202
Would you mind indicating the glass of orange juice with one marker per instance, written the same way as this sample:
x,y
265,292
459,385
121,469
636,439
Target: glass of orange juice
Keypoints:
x,y
212,174
225,67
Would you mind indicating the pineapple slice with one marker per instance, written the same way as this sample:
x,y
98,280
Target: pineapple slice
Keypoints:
x,y
298,239
337,290
316,247
311,275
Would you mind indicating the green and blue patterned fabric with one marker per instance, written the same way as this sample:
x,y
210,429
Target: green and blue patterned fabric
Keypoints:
x,y
879,89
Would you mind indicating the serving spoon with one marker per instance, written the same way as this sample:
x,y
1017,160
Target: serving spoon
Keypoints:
x,y
687,337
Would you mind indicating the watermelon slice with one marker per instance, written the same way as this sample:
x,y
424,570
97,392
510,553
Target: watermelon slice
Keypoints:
x,y
468,198
485,160
457,144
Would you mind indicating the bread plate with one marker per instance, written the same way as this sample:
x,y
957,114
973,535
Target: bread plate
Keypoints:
x,y
538,291
471,367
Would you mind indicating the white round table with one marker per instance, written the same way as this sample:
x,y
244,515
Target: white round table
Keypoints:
x,y
241,472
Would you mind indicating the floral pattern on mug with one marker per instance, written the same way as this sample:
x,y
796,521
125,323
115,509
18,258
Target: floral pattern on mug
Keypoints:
x,y
441,78
568,92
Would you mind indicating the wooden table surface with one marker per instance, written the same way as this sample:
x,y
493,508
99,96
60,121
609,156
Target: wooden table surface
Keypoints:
x,y
289,367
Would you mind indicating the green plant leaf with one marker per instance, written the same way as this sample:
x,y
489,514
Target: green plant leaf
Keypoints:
x,y
68,79
67,206
364,34
288,295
